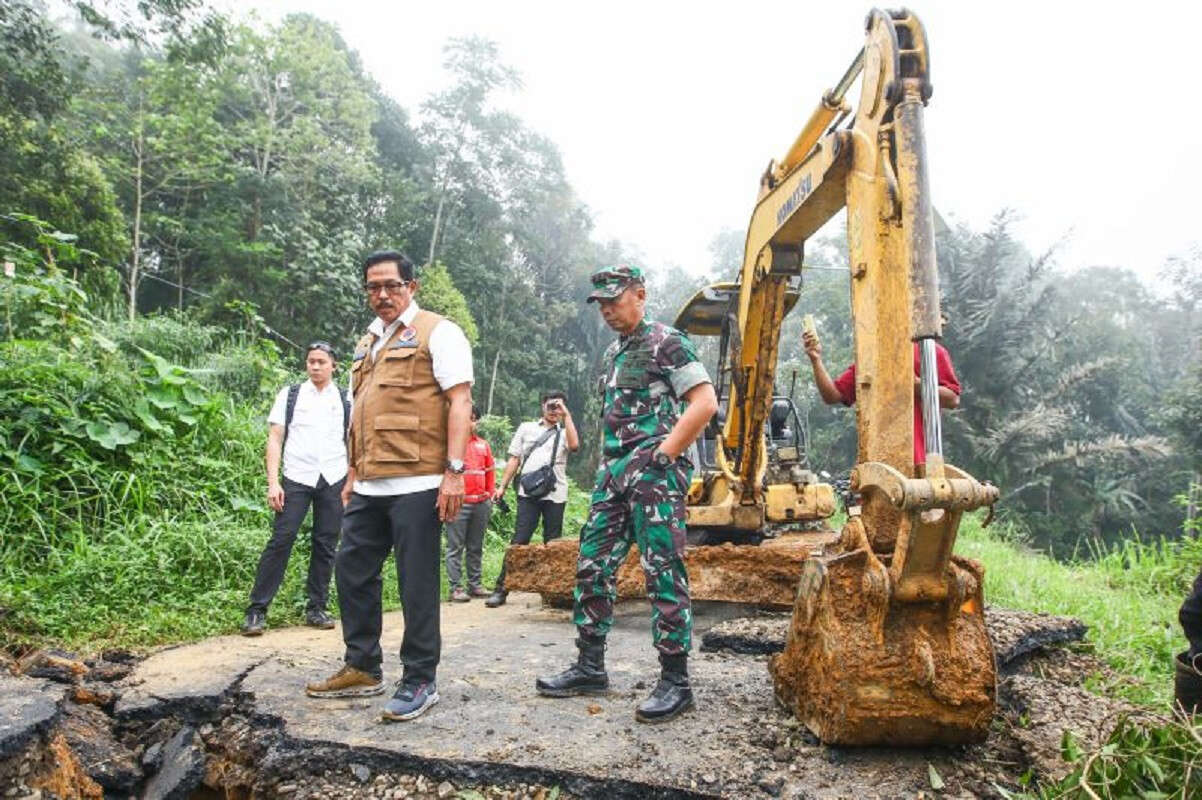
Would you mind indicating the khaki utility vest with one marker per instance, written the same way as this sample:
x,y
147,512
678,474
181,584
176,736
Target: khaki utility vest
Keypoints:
x,y
399,425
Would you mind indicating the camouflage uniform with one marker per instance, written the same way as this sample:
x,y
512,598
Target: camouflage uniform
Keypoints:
x,y
644,376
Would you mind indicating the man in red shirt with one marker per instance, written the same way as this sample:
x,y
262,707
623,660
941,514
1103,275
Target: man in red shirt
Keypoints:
x,y
466,531
843,389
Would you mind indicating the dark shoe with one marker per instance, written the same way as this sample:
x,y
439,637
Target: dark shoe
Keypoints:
x,y
319,619
460,595
411,700
348,682
671,696
586,676
1188,684
478,591
254,624
497,598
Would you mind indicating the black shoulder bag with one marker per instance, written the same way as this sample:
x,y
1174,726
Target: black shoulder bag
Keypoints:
x,y
541,482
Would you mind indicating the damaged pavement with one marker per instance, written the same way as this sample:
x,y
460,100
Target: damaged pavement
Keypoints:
x,y
227,718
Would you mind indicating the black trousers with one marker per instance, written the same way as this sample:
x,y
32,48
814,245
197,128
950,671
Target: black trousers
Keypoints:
x,y
327,520
372,527
529,512
1191,617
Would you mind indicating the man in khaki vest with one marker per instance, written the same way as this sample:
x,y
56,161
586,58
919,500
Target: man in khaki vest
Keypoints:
x,y
411,409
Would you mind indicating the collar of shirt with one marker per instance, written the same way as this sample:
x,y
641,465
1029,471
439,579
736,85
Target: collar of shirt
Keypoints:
x,y
639,330
406,317
310,386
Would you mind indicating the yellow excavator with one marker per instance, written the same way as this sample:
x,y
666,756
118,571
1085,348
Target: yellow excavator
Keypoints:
x,y
887,643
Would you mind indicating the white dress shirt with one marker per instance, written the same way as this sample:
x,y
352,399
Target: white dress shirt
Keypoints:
x,y
315,447
452,357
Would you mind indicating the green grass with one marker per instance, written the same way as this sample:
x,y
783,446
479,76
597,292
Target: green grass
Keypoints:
x,y
161,576
1128,598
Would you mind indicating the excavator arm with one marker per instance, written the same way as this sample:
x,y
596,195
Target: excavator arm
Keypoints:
x,y
887,642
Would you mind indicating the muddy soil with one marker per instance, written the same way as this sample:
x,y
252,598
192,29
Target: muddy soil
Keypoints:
x,y
227,718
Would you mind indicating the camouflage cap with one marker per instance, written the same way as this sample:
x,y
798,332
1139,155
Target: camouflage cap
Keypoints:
x,y
610,282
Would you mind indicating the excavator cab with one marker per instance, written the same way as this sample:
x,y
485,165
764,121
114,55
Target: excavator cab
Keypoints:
x,y
768,458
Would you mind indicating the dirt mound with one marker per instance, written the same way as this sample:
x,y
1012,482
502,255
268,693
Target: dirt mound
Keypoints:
x,y
764,576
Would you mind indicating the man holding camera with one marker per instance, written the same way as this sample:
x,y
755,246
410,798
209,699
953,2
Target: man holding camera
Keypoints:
x,y
538,456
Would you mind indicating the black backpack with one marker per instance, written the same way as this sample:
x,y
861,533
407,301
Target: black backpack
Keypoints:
x,y
290,409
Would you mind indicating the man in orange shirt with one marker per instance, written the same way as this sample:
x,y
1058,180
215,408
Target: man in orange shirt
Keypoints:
x,y
843,389
466,531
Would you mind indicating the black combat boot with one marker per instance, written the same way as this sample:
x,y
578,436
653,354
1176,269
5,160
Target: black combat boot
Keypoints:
x,y
1188,684
586,676
672,696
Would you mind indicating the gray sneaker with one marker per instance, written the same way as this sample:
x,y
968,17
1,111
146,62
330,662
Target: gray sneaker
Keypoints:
x,y
319,618
255,623
411,700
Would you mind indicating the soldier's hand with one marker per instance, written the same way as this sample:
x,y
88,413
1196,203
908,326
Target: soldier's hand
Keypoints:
x,y
275,497
812,345
450,496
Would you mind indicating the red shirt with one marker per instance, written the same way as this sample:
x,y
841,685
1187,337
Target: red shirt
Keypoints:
x,y
846,384
479,475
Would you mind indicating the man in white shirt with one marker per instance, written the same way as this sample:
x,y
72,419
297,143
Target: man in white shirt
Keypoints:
x,y
308,423
411,381
536,444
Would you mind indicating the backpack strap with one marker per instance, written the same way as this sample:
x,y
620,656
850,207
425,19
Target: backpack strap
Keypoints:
x,y
289,410
346,411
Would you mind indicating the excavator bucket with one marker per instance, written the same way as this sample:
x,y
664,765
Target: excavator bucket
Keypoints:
x,y
890,647
858,669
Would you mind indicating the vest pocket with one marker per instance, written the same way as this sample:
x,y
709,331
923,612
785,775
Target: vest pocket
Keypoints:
x,y
396,437
396,368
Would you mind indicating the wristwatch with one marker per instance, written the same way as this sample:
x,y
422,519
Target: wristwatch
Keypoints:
x,y
455,466
661,459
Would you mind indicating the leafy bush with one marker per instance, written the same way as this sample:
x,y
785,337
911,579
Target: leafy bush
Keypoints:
x,y
1140,759
119,463
174,336
497,431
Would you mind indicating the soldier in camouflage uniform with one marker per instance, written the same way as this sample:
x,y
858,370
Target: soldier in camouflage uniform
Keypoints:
x,y
649,374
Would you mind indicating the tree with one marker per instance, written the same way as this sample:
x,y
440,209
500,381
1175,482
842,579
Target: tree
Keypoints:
x,y
438,294
33,80
465,138
154,120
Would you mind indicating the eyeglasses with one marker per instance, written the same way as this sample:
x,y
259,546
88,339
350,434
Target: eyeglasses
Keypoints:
x,y
392,287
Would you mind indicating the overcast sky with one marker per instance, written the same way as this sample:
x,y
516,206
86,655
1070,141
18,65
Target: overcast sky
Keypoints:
x,y
666,113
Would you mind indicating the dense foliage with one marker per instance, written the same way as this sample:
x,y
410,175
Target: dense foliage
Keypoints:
x,y
134,508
